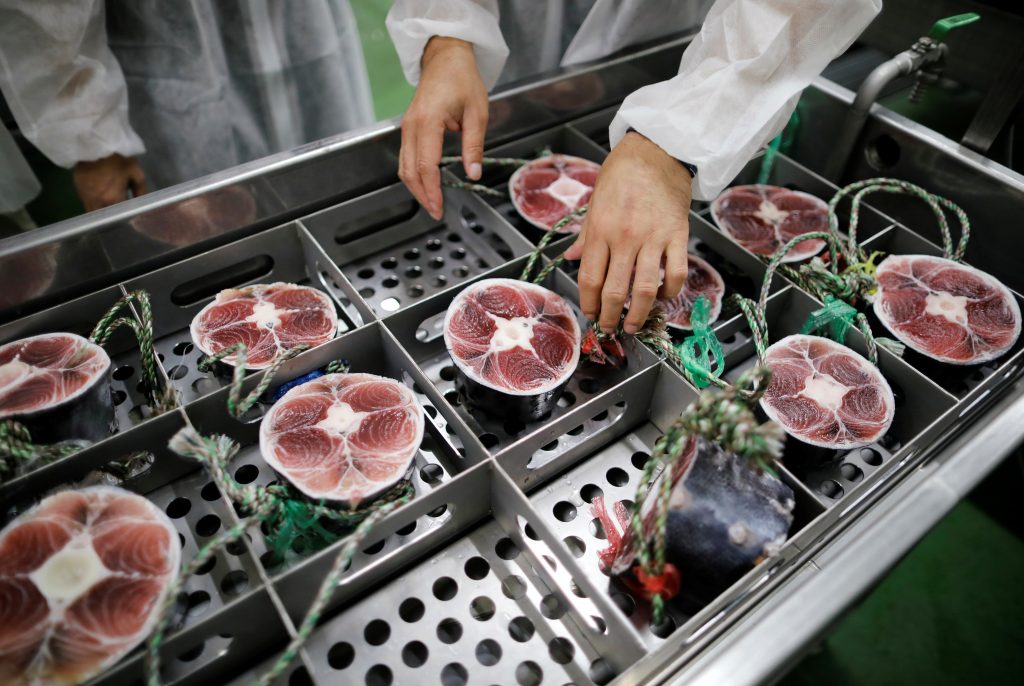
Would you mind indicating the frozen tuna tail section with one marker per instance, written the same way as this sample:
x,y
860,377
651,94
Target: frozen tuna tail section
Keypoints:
x,y
56,384
764,218
267,319
345,438
825,394
515,345
724,517
546,190
946,310
82,579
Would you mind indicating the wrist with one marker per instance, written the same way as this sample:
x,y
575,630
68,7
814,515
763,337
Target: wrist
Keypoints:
x,y
438,46
690,168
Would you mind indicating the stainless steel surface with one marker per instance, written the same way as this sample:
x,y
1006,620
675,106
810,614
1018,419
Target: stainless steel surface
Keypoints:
x,y
499,546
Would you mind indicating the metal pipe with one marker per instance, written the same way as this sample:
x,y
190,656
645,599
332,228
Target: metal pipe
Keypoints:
x,y
902,64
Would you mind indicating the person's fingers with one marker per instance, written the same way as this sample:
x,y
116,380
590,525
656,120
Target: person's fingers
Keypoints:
x,y
429,141
645,286
675,267
594,263
407,162
474,127
616,286
137,180
575,251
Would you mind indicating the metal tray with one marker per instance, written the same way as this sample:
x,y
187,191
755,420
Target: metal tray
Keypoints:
x,y
483,491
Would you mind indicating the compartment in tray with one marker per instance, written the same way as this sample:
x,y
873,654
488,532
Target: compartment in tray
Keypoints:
x,y
286,253
959,380
479,610
419,330
395,254
80,316
222,613
831,473
370,350
562,140
792,175
595,126
613,474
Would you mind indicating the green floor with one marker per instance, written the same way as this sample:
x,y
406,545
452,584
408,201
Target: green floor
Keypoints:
x,y
950,613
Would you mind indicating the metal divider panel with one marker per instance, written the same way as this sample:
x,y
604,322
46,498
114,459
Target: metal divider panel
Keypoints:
x,y
832,473
395,254
560,140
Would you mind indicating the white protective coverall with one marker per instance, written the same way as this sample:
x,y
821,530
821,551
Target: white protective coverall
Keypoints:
x,y
738,81
196,85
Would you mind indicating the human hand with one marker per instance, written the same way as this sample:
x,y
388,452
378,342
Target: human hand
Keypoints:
x,y
638,220
106,181
450,96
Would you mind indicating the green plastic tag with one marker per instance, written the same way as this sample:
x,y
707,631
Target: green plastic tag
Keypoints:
x,y
834,319
701,352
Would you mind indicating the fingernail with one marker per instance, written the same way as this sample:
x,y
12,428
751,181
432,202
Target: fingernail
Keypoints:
x,y
475,170
589,316
631,328
608,330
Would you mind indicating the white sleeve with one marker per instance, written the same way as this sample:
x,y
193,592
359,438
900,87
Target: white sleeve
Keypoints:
x,y
62,82
740,80
412,23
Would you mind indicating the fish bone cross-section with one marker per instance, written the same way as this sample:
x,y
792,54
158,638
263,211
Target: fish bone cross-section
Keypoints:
x,y
82,578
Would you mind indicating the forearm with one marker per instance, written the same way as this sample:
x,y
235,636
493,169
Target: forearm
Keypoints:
x,y
739,81
64,87
412,23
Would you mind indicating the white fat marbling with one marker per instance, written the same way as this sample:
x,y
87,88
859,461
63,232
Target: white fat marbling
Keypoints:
x,y
568,190
824,390
511,333
947,305
342,418
12,372
770,213
266,315
69,573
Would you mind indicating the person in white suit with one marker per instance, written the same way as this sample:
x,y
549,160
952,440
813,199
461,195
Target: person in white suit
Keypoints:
x,y
738,83
135,94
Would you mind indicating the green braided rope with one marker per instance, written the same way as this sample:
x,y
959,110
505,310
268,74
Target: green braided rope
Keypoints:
x,y
723,417
543,243
17,449
272,505
337,367
327,588
237,405
490,161
160,401
887,185
474,188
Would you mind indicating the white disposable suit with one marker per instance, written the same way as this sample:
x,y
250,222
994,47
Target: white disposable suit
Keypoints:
x,y
190,86
738,81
